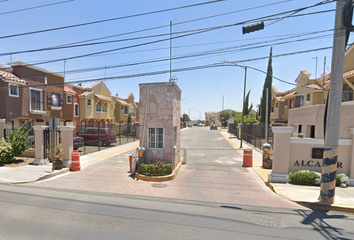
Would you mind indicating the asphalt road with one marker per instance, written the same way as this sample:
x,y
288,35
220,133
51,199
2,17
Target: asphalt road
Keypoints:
x,y
45,213
220,200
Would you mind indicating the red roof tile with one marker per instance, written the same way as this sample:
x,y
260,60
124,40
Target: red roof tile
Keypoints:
x,y
104,98
6,76
69,90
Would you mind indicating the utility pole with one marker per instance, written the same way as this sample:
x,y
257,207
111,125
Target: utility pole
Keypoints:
x,y
266,119
330,154
243,107
170,51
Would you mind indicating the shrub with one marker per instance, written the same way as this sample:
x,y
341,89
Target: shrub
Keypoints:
x,y
304,177
6,153
19,140
155,169
312,178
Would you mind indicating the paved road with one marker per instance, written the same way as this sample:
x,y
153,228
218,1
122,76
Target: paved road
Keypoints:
x,y
45,213
212,176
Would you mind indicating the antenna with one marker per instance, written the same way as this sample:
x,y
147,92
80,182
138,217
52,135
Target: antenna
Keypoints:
x,y
170,51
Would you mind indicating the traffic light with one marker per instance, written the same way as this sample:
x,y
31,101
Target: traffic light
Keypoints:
x,y
253,27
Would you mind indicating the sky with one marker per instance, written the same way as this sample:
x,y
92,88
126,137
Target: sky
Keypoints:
x,y
202,35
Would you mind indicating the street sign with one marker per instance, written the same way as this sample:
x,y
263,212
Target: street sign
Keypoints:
x,y
53,123
231,121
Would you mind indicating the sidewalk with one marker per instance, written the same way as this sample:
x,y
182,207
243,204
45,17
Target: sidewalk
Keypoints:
x,y
32,173
303,195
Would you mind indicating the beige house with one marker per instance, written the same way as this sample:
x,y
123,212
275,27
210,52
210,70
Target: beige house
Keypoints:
x,y
124,107
96,106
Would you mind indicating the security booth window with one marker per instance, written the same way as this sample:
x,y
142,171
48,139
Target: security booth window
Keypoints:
x,y
155,138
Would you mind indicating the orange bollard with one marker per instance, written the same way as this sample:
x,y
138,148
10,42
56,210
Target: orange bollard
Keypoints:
x,y
75,161
247,158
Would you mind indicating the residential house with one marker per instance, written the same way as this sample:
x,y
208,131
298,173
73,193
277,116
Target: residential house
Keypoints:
x,y
45,93
14,107
124,107
96,106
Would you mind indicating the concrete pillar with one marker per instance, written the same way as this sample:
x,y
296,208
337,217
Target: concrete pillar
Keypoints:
x,y
281,154
351,130
39,145
67,141
2,127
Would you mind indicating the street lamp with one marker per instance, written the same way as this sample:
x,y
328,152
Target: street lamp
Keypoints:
x,y
190,113
200,114
243,100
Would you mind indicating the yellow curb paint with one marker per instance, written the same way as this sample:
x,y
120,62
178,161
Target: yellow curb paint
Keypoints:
x,y
111,153
160,178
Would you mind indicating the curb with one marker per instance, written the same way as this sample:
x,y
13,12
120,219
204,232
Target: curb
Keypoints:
x,y
312,205
43,177
160,178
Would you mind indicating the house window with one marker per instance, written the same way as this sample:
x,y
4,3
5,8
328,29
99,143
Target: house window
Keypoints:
x,y
55,100
98,107
122,108
90,124
76,109
106,124
291,104
104,107
347,93
36,98
69,99
13,90
299,101
112,106
286,103
308,97
100,124
83,125
125,110
276,105
156,138
272,110
89,102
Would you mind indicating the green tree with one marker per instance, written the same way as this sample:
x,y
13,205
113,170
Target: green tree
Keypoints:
x,y
267,84
19,140
247,109
185,118
224,116
129,123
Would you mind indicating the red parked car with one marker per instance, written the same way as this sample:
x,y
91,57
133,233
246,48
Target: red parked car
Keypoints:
x,y
98,136
213,126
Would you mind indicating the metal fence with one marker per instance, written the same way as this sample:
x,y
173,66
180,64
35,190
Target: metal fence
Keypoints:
x,y
253,134
100,138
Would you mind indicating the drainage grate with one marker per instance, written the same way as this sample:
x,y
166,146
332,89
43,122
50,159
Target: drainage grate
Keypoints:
x,y
159,185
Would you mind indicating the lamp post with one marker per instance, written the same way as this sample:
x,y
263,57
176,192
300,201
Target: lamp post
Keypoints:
x,y
200,114
243,100
189,115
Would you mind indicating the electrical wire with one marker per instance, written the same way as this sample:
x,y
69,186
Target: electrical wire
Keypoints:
x,y
36,7
108,20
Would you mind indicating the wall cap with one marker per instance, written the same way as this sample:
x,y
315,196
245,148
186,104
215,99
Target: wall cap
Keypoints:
x,y
282,129
66,128
39,127
319,141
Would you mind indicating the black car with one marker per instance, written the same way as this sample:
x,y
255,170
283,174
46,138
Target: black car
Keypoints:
x,y
78,141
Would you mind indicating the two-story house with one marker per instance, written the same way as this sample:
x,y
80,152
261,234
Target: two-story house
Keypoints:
x,y
45,92
13,105
96,106
124,107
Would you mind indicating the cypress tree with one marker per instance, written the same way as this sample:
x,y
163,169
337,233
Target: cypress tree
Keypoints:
x,y
267,84
247,109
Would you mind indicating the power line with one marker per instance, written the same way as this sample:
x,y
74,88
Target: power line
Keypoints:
x,y
31,8
110,19
130,39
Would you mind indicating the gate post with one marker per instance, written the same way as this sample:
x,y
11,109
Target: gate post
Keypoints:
x,y
2,128
39,145
67,142
281,154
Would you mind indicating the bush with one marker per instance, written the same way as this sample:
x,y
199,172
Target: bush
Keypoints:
x,y
312,178
304,178
155,169
19,140
6,153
